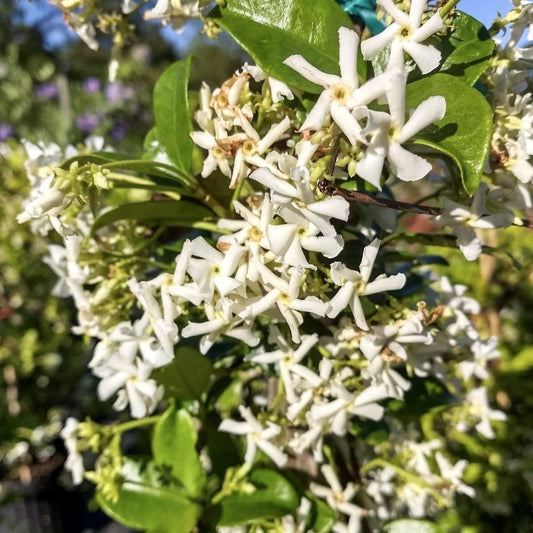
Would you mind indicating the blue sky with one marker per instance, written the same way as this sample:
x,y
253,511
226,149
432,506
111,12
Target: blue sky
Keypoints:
x,y
56,34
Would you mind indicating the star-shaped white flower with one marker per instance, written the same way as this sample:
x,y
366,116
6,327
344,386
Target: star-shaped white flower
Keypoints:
x,y
354,284
257,436
388,131
341,93
406,34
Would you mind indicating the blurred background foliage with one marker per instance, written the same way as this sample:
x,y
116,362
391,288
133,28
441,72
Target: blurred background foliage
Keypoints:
x,y
62,95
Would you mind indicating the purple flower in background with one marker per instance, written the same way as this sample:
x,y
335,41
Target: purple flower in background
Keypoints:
x,y
92,84
88,121
117,91
6,131
119,129
46,91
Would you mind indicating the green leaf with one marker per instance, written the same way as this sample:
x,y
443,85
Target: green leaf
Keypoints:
x,y
322,517
467,49
271,32
171,113
274,497
187,376
176,213
146,505
464,134
174,445
412,526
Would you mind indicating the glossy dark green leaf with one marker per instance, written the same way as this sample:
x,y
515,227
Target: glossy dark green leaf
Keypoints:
x,y
464,133
467,49
146,505
271,32
174,445
177,213
412,526
187,376
171,113
274,497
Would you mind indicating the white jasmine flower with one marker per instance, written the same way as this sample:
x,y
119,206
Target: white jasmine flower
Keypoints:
x,y
452,474
341,94
483,352
389,131
130,379
339,498
389,339
218,155
363,405
380,372
257,436
251,147
463,220
406,34
354,284
63,260
283,295
220,321
478,407
163,327
213,270
288,361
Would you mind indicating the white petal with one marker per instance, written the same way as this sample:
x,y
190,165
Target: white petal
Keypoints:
x,y
406,165
311,73
348,43
370,47
390,283
370,253
396,13
317,116
426,57
266,178
346,122
430,110
433,25
371,166
340,301
416,12
275,132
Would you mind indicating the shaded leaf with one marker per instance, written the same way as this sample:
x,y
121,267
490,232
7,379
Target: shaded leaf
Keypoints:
x,y
187,376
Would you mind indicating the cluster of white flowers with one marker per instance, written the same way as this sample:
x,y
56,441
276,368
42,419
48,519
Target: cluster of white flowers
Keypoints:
x,y
512,142
280,272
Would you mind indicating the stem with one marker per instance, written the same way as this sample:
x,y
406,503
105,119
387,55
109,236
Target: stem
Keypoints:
x,y
359,197
134,424
447,7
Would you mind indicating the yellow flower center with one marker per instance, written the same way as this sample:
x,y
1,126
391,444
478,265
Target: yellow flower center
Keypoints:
x,y
341,93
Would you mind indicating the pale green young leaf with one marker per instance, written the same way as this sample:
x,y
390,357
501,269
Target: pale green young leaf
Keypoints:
x,y
174,445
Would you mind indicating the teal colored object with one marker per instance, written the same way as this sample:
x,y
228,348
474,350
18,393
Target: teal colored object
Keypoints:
x,y
365,9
